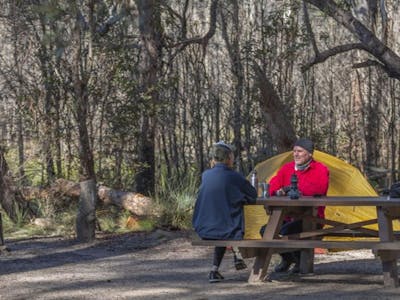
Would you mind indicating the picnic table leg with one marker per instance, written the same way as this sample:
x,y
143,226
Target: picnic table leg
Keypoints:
x,y
388,258
274,224
263,258
259,271
307,255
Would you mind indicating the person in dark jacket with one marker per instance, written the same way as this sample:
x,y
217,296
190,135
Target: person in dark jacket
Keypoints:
x,y
218,212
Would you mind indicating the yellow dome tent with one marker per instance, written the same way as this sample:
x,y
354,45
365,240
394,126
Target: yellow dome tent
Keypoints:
x,y
344,180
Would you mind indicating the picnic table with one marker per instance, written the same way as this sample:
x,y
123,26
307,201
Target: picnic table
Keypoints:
x,y
382,241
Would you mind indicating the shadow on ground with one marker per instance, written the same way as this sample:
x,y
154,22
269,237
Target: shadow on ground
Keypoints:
x,y
164,265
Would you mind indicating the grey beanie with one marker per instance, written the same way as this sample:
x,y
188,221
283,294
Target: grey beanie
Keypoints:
x,y
306,144
220,151
224,145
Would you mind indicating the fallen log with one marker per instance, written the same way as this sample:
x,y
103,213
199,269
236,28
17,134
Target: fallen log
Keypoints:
x,y
135,203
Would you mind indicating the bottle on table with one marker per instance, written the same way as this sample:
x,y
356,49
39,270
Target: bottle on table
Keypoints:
x,y
254,180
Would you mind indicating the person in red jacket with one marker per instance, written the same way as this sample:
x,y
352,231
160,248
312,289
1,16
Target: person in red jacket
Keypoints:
x,y
313,180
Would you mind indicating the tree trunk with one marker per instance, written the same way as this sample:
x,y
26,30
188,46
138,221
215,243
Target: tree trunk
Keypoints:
x,y
151,36
21,148
137,204
1,232
392,132
233,47
11,199
274,113
86,217
372,125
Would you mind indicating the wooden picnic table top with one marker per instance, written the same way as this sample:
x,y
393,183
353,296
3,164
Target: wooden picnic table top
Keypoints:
x,y
329,201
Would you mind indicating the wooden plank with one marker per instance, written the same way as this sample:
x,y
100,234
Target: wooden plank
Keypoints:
x,y
301,244
337,227
351,234
357,225
329,201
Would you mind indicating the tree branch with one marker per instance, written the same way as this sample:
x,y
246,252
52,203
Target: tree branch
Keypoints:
x,y
372,44
202,40
182,18
116,12
322,56
309,29
369,63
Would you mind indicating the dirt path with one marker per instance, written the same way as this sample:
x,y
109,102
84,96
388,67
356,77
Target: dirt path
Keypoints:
x,y
164,265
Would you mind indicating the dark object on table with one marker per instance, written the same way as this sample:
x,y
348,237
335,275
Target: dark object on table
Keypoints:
x,y
294,190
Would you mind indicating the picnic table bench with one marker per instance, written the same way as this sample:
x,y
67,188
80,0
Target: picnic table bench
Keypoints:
x,y
382,241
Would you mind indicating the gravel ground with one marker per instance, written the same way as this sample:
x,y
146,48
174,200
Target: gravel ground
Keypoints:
x,y
164,265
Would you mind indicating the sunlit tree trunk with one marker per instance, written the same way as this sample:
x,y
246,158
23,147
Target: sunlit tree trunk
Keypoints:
x,y
233,47
151,41
86,217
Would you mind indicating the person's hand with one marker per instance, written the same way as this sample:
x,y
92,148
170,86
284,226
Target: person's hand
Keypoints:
x,y
280,192
283,191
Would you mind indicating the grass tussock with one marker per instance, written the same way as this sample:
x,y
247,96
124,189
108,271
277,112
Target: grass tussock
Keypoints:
x,y
176,197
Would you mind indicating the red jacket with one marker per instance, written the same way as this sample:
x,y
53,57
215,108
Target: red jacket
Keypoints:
x,y
312,181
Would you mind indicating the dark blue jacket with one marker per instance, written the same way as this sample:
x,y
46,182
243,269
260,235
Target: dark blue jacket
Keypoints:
x,y
218,212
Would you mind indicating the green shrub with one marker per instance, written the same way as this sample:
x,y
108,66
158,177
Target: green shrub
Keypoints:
x,y
176,197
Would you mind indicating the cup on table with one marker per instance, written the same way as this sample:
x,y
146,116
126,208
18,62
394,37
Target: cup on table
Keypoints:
x,y
264,189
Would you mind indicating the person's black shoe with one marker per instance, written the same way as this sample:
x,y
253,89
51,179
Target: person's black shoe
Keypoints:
x,y
296,268
215,276
283,266
240,264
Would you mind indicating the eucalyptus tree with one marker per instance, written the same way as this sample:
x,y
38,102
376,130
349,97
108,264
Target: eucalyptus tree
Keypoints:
x,y
385,57
371,24
154,41
232,41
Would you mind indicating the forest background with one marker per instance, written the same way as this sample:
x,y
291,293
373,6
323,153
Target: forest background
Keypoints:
x,y
131,94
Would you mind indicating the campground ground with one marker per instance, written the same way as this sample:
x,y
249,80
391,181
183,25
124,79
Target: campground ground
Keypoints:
x,y
164,265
